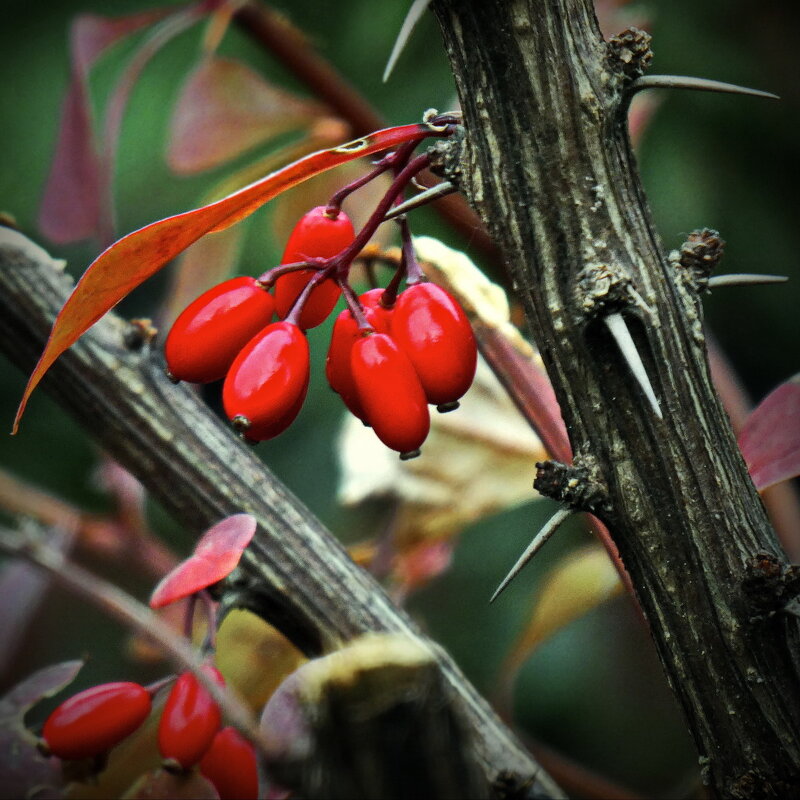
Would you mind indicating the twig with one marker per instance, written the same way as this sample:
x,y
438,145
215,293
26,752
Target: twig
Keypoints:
x,y
124,608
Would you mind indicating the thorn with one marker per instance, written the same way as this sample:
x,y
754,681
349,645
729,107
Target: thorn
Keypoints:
x,y
550,527
744,279
702,84
618,328
428,196
409,23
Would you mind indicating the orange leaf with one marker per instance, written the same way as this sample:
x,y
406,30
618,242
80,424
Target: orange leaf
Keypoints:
x,y
130,261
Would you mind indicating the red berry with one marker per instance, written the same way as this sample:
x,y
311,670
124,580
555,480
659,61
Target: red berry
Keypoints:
x,y
210,331
230,764
267,383
432,329
344,335
93,721
190,719
315,236
390,393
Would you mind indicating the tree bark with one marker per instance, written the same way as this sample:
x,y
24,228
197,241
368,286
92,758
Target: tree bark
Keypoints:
x,y
547,163
294,574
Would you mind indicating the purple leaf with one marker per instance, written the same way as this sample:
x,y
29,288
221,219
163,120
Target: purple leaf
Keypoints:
x,y
24,586
22,767
770,437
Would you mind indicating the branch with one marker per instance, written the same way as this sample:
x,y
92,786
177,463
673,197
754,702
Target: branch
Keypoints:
x,y
548,165
294,574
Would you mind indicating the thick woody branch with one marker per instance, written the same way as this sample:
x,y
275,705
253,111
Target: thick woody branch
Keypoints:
x,y
294,574
548,165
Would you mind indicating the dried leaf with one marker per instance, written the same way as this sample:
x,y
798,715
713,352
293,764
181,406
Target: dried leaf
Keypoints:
x,y
23,769
225,109
477,460
575,585
770,437
139,255
74,193
158,784
215,556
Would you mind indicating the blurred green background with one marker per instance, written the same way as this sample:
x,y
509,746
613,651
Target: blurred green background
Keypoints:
x,y
595,691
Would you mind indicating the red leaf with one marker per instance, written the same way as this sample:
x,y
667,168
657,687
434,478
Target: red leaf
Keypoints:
x,y
225,108
137,256
215,556
72,204
770,437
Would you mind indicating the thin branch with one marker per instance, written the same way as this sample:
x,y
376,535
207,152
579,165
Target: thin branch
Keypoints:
x,y
131,613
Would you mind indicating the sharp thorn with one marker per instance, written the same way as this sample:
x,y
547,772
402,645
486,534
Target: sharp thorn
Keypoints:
x,y
429,195
702,84
409,23
618,328
744,279
550,527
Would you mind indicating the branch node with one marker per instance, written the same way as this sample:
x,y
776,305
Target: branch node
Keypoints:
x,y
770,584
698,257
447,157
629,54
601,290
140,333
578,485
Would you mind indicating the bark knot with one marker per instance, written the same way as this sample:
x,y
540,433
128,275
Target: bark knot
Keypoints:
x,y
698,257
629,53
769,584
601,289
577,485
447,157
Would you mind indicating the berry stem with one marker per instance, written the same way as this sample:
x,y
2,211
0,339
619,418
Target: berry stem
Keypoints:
x,y
354,305
156,686
297,308
346,257
413,270
268,278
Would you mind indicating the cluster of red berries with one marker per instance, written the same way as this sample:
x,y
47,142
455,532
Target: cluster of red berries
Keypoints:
x,y
390,354
94,721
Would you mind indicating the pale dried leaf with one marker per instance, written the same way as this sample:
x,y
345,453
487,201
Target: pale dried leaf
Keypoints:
x,y
158,784
477,460
478,296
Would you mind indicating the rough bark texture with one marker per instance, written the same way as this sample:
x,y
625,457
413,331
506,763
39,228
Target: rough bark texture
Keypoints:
x,y
294,574
547,163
